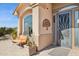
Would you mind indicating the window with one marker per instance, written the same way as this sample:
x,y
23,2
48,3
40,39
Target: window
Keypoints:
x,y
28,25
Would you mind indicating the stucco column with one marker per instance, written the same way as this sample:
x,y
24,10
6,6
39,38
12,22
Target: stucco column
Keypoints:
x,y
42,25
19,26
18,29
35,24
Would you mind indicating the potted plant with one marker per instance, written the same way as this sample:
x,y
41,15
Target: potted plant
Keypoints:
x,y
30,47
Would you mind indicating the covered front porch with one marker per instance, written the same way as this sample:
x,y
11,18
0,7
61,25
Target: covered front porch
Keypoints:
x,y
41,22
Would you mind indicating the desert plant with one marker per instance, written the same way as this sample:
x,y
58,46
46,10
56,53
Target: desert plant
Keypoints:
x,y
30,42
14,34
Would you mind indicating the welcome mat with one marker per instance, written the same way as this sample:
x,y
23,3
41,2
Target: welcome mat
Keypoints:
x,y
59,52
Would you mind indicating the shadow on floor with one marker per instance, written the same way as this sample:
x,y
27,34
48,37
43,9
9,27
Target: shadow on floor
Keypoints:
x,y
59,52
47,48
56,51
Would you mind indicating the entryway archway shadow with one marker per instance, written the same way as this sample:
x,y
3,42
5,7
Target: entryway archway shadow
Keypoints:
x,y
46,48
56,51
60,51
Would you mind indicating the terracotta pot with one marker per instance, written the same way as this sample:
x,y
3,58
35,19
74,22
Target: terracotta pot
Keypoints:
x,y
22,39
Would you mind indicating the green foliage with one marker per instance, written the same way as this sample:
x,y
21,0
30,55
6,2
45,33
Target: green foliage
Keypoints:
x,y
4,31
14,34
9,30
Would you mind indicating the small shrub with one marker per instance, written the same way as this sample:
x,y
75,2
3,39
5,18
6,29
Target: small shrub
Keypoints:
x,y
14,34
2,31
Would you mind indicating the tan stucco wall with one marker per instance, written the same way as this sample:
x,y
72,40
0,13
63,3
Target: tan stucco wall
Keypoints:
x,y
44,41
43,37
45,13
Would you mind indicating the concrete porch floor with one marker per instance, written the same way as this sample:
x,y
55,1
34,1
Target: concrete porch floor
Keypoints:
x,y
7,48
58,51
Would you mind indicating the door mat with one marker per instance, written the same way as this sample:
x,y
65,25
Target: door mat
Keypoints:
x,y
59,52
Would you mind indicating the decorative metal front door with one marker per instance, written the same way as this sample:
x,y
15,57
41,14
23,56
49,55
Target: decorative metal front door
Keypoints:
x,y
64,29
